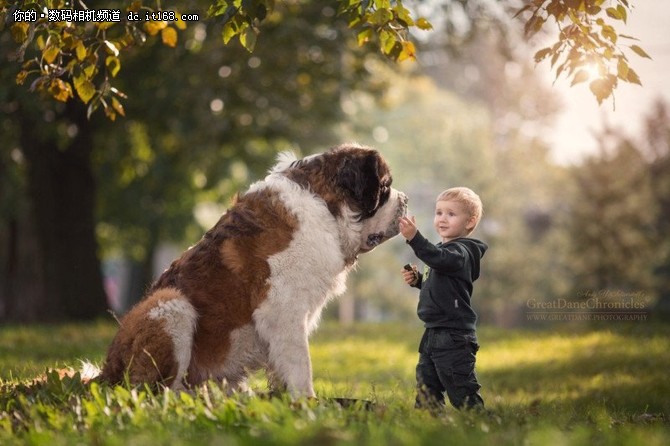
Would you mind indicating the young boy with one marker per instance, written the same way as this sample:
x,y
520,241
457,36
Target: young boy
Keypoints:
x,y
449,345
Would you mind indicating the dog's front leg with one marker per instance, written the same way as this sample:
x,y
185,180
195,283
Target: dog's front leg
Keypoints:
x,y
288,349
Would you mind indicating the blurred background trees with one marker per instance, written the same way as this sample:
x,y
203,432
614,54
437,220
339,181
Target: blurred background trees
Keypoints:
x,y
89,207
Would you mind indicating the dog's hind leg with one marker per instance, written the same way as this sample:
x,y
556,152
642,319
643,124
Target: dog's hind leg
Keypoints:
x,y
154,342
178,319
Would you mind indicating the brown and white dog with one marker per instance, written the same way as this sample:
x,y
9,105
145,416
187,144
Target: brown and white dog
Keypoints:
x,y
250,292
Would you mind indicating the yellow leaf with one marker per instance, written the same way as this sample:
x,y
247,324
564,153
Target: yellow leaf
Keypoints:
x,y
169,36
364,36
229,31
109,112
50,53
424,24
81,51
154,28
639,51
113,65
580,76
84,88
118,107
21,77
104,25
60,90
90,70
111,48
20,31
408,52
179,23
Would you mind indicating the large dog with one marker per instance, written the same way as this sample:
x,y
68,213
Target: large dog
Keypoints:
x,y
249,293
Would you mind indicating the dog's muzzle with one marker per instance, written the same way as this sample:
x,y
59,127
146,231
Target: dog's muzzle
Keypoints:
x,y
377,238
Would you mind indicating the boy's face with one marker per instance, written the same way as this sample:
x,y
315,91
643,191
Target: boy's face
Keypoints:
x,y
452,220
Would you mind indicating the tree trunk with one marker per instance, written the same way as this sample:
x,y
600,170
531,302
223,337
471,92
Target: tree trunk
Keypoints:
x,y
61,192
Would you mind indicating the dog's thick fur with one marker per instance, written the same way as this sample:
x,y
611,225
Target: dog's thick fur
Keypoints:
x,y
250,292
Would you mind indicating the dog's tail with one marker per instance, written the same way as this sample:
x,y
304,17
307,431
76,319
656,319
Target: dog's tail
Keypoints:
x,y
89,372
284,161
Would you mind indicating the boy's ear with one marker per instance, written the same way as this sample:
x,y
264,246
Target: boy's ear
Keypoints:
x,y
470,225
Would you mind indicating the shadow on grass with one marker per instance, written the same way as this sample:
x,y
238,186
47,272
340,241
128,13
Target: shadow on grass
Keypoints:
x,y
624,370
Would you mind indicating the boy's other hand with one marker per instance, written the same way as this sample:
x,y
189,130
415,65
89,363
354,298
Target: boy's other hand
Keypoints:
x,y
410,276
408,227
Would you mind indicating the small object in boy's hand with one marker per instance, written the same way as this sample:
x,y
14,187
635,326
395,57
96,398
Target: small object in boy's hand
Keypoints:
x,y
408,267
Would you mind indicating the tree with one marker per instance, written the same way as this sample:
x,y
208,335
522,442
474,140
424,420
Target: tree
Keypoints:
x,y
182,146
656,150
81,59
68,56
176,145
613,218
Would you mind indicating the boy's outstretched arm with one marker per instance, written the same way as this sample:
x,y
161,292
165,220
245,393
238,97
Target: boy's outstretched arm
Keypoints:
x,y
408,227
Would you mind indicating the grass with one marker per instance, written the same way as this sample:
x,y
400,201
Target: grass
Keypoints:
x,y
573,385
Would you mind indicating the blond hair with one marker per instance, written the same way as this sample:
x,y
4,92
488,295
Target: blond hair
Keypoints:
x,y
469,199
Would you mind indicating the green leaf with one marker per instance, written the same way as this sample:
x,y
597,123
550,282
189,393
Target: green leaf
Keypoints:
x,y
424,24
403,15
381,17
387,40
84,88
93,106
248,39
229,31
614,13
639,51
364,36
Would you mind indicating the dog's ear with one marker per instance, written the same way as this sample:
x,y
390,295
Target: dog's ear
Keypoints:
x,y
364,178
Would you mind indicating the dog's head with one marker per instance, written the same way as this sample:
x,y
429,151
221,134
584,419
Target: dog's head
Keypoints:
x,y
355,182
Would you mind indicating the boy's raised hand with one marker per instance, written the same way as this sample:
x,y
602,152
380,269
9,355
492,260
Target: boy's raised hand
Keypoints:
x,y
408,227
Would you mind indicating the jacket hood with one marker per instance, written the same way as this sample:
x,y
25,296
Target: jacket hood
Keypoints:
x,y
477,248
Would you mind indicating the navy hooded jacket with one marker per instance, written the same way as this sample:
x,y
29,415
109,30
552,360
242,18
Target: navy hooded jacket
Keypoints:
x,y
446,283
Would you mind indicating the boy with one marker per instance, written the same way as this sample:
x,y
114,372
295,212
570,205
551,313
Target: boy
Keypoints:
x,y
449,345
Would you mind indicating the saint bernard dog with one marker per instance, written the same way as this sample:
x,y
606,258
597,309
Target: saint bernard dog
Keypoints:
x,y
250,292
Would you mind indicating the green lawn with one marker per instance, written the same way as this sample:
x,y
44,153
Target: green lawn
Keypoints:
x,y
573,385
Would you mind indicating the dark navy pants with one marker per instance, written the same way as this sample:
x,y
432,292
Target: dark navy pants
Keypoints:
x,y
447,364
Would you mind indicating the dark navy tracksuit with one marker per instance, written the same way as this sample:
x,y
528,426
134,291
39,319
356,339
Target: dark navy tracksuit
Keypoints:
x,y
449,346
